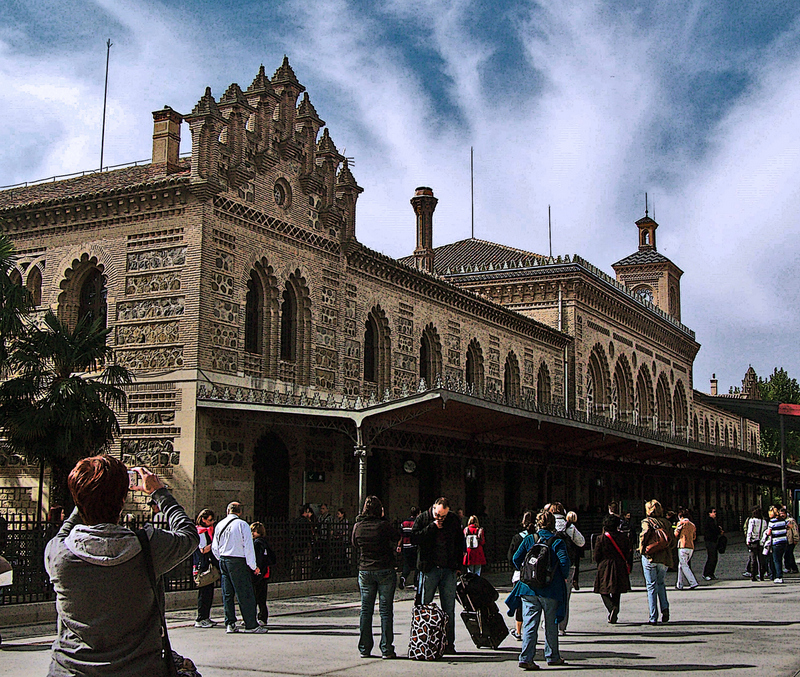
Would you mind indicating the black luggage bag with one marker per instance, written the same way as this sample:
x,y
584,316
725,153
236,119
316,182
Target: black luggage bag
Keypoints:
x,y
482,618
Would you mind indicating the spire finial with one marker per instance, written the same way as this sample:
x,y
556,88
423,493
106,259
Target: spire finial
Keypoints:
x,y
645,204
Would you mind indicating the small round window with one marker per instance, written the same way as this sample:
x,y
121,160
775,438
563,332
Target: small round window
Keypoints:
x,y
282,193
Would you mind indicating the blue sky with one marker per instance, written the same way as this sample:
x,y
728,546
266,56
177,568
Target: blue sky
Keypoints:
x,y
583,106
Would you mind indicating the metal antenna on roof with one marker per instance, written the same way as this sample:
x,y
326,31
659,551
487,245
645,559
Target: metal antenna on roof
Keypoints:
x,y
472,189
550,231
105,99
645,204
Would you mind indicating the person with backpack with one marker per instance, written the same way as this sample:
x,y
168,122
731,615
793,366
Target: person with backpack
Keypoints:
x,y
528,527
792,538
544,564
475,538
574,540
612,554
655,547
755,528
265,559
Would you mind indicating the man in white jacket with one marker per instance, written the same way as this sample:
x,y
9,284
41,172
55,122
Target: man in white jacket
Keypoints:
x,y
233,547
574,537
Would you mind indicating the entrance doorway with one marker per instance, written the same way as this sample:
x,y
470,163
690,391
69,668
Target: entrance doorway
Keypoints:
x,y
270,478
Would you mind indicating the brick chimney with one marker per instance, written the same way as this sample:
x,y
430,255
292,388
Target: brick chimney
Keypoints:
x,y
713,384
424,203
166,140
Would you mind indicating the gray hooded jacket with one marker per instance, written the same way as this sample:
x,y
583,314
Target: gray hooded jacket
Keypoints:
x,y
108,623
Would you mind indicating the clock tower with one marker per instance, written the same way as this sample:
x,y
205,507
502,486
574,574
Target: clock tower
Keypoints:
x,y
649,275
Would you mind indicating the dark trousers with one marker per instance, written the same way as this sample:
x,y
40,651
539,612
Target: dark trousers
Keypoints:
x,y
205,598
789,563
711,562
611,601
260,586
757,563
409,565
237,580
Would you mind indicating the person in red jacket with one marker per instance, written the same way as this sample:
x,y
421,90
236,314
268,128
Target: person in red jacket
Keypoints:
x,y
474,557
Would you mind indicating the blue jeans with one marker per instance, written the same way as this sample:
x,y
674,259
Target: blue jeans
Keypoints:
x,y
778,550
475,569
381,584
237,578
532,608
445,581
654,575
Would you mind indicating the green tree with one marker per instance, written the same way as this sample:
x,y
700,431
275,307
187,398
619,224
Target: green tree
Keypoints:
x,y
58,404
15,301
780,387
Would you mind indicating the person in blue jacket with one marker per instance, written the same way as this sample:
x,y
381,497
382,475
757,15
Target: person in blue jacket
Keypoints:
x,y
551,599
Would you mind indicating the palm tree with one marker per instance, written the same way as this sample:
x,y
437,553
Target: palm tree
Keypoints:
x,y
58,404
15,301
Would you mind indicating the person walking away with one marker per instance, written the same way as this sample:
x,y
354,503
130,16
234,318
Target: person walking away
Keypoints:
x,y
407,549
572,518
754,534
232,545
777,532
549,600
109,614
573,539
303,543
201,560
264,560
655,564
686,533
792,537
711,534
324,530
528,527
374,538
440,542
475,539
612,552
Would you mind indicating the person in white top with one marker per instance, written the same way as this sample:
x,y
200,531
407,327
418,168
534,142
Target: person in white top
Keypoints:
x,y
756,528
574,541
233,547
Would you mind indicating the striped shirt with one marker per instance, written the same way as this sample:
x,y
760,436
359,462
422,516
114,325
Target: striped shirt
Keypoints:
x,y
778,530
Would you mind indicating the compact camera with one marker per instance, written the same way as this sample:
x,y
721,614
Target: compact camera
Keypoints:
x,y
133,478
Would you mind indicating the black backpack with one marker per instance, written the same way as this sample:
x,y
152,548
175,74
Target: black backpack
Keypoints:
x,y
539,566
572,550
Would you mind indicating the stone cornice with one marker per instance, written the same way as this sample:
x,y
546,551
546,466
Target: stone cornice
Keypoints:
x,y
385,268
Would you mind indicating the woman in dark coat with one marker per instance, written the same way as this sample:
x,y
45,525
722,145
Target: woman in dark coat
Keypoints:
x,y
612,553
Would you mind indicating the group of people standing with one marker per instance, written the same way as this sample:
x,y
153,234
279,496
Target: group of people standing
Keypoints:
x,y
771,543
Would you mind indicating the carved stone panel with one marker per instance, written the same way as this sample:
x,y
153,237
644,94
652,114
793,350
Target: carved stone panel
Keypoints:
x,y
225,311
151,358
224,360
153,283
150,309
150,452
157,258
162,332
224,336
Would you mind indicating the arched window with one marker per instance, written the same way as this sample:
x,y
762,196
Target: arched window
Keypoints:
x,y
696,429
34,285
622,390
707,437
254,315
289,324
716,434
511,379
430,355
663,404
599,380
93,298
475,372
681,412
727,437
543,388
735,439
15,277
377,350
644,397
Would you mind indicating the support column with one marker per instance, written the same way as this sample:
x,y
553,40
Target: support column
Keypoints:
x,y
362,452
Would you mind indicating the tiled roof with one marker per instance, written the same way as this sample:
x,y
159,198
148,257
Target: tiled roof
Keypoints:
x,y
472,252
641,257
98,182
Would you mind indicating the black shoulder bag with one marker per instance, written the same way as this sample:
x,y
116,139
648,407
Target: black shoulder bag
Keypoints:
x,y
166,648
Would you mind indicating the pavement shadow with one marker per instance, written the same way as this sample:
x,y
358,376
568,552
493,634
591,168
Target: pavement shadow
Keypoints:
x,y
26,647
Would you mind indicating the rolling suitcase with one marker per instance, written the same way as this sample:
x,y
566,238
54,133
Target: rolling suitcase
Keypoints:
x,y
428,637
482,618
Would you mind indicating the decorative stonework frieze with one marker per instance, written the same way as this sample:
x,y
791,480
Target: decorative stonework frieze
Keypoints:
x,y
405,362
326,337
225,453
405,344
149,359
352,349
351,368
325,379
326,359
150,309
162,332
404,380
454,357
153,283
223,360
528,377
351,387
350,328
327,315
150,452
328,296
150,417
222,284
224,336
225,311
224,261
156,258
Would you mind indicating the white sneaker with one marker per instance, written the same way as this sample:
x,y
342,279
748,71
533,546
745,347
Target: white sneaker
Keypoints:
x,y
205,623
262,624
230,629
258,630
778,580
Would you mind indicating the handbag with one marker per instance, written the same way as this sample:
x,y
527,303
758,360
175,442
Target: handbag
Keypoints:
x,y
207,577
722,544
657,541
617,548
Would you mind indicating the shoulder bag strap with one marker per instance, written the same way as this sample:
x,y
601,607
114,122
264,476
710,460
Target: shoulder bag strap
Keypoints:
x,y
166,648
222,531
617,548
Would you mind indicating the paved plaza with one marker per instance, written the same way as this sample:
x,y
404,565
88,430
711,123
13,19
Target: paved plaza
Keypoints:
x,y
727,627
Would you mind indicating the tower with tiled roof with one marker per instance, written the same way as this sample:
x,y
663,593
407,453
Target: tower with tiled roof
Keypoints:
x,y
651,276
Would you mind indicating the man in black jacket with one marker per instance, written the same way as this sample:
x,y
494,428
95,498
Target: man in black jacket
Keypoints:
x,y
440,543
711,534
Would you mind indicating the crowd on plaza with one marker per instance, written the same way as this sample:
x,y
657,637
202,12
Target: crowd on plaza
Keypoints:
x,y
94,562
